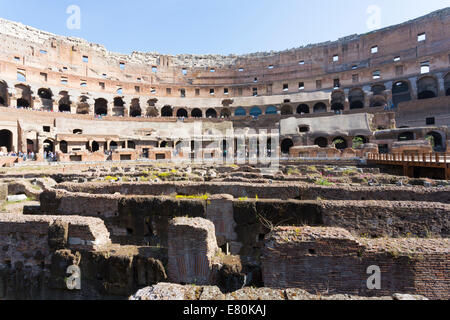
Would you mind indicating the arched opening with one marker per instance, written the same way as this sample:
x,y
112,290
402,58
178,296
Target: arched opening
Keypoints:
x,y
303,109
23,93
167,112
49,146
321,142
197,113
356,99
182,113
400,92
271,110
77,131
101,107
378,101
406,136
358,141
3,93
378,89
337,101
340,143
113,145
286,110
320,107
83,106
225,113
240,112
286,146
30,146
118,108
95,146
135,108
427,88
163,144
22,103
6,140
152,112
46,98
64,108
131,145
255,112
436,141
63,146
211,113
447,84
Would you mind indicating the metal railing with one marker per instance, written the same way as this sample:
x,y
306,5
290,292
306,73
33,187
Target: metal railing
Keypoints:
x,y
417,157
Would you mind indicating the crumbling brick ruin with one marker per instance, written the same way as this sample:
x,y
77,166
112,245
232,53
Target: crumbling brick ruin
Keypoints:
x,y
281,175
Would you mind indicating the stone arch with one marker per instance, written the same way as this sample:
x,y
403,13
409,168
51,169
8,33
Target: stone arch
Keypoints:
x,y
64,102
135,108
167,112
239,112
286,145
152,112
321,142
427,87
23,95
437,140
3,94
377,101
182,113
211,113
95,146
286,110
378,89
303,109
46,96
400,92
320,107
49,146
356,98
271,110
337,100
197,113
82,106
225,113
358,141
101,107
255,112
118,107
340,143
63,146
447,84
6,140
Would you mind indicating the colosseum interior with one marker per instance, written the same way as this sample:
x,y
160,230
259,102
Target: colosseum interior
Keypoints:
x,y
275,175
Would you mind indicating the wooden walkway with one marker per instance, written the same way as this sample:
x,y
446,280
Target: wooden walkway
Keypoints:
x,y
411,161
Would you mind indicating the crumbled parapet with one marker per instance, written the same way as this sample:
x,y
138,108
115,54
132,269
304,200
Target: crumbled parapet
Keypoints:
x,y
326,260
161,291
192,249
171,291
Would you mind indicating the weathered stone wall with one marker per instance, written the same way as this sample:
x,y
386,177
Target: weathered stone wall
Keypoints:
x,y
192,249
37,250
331,260
285,191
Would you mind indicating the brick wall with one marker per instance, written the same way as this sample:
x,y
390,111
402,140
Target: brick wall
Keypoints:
x,y
330,260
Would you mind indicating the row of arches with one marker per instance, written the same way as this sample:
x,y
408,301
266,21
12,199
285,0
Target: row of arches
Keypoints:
x,y
340,143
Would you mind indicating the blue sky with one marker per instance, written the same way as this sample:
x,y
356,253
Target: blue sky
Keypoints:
x,y
212,26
